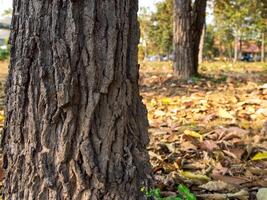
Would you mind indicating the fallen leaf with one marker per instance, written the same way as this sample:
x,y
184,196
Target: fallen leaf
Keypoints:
x,y
262,194
208,145
166,101
193,176
159,113
242,195
194,134
235,180
217,186
2,118
225,114
260,156
219,170
154,155
187,145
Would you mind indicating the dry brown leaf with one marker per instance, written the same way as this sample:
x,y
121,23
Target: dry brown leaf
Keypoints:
x,y
218,186
209,145
187,146
234,180
242,195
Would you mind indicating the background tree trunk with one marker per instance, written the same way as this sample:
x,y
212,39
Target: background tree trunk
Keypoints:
x,y
262,47
240,47
189,19
201,45
75,128
236,49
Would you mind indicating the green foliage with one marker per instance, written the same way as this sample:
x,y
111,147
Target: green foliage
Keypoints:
x,y
233,14
240,19
161,31
259,12
154,193
156,28
184,194
4,54
144,21
210,50
236,21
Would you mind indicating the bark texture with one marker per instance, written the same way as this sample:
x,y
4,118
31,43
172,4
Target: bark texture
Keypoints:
x,y
76,128
189,19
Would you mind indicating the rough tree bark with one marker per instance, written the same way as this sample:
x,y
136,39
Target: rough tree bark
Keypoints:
x,y
189,19
75,128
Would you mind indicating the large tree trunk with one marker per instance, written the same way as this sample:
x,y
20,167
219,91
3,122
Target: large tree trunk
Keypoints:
x,y
189,19
262,47
76,128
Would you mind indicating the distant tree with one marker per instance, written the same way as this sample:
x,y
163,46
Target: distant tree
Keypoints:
x,y
234,21
259,12
189,18
161,27
210,50
145,46
224,37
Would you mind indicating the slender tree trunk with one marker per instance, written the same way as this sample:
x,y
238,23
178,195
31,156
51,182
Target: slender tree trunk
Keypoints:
x,y
75,128
221,51
230,52
189,19
240,47
236,49
262,47
201,45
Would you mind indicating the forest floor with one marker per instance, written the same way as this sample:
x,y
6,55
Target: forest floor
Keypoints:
x,y
210,132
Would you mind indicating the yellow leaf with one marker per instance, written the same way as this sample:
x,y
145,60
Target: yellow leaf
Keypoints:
x,y
166,101
244,124
260,156
193,176
2,118
225,114
193,134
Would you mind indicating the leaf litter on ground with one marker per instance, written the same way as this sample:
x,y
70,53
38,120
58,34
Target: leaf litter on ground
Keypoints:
x,y
209,133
